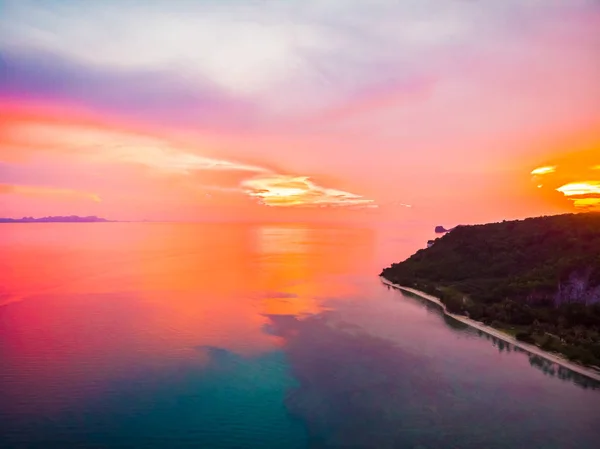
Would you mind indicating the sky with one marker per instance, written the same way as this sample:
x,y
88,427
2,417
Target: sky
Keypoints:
x,y
445,111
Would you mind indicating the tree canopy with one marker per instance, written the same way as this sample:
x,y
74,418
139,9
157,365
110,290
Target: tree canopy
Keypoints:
x,y
539,276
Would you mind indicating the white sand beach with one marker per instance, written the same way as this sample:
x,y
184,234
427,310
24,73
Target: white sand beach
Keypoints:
x,y
588,372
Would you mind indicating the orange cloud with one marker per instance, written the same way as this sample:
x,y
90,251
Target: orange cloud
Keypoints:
x,y
41,191
286,190
590,204
581,188
574,174
82,140
544,170
585,195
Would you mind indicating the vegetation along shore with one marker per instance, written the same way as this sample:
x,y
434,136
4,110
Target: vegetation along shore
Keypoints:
x,y
537,280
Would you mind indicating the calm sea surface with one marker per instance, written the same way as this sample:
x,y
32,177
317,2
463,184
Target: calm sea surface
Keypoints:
x,y
131,335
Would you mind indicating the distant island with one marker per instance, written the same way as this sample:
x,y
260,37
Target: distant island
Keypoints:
x,y
56,219
537,279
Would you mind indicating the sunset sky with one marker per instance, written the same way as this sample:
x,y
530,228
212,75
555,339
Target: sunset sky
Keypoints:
x,y
449,111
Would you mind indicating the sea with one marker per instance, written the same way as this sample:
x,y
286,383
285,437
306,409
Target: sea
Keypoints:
x,y
274,336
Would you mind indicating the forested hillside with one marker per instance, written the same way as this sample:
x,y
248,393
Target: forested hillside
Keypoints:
x,y
539,278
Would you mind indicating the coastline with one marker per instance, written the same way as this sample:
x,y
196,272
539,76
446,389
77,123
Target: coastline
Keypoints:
x,y
587,372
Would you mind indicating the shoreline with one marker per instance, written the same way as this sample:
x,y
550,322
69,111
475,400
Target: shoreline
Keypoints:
x,y
587,372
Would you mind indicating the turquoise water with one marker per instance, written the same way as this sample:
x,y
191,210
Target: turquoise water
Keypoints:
x,y
222,336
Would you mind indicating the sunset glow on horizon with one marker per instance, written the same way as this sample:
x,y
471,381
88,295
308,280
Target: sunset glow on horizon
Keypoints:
x,y
350,110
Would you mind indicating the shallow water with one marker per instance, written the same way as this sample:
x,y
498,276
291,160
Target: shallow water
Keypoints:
x,y
125,335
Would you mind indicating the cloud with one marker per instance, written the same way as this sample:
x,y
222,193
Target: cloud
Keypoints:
x,y
544,170
156,95
587,203
382,92
101,145
47,192
286,191
290,55
584,194
581,188
574,173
